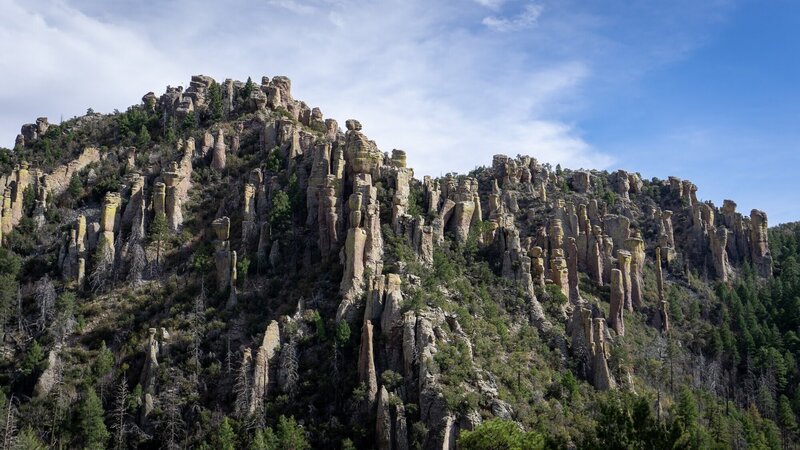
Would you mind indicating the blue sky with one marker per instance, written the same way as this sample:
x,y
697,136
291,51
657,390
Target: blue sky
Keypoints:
x,y
705,91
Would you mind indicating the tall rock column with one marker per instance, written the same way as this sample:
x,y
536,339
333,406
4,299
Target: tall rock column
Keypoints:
x,y
218,153
329,218
572,270
222,257
759,242
718,241
80,246
662,316
22,181
617,309
108,217
537,266
602,375
366,364
159,198
401,195
249,219
559,273
172,204
353,278
265,359
624,265
6,213
635,246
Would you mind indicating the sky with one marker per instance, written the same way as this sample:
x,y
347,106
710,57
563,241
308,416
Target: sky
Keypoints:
x,y
702,90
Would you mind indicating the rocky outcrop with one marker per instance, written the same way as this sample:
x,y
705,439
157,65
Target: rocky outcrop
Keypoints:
x,y
759,242
390,426
264,364
589,347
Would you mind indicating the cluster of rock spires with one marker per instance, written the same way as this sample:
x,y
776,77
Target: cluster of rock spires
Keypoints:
x,y
517,206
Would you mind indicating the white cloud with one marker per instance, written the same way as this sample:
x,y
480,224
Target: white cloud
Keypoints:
x,y
491,4
293,6
427,77
528,17
416,78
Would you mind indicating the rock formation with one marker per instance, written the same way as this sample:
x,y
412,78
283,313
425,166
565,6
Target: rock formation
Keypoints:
x,y
617,309
222,257
219,153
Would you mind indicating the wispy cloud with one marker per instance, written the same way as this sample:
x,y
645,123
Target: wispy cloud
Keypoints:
x,y
437,79
526,18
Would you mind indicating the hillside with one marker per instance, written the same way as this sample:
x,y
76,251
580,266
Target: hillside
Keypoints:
x,y
222,267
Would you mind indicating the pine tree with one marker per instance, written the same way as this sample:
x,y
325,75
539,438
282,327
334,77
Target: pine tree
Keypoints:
x,y
91,428
226,439
248,88
159,232
215,100
143,139
291,435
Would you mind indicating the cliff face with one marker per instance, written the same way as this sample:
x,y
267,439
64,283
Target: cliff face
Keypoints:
x,y
341,289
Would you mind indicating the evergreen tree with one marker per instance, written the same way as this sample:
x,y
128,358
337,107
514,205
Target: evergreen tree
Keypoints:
x,y
248,88
143,139
290,435
226,439
215,100
159,232
91,428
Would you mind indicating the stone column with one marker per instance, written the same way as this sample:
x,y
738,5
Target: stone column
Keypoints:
x,y
662,314
222,257
366,364
636,248
559,273
537,266
572,270
353,277
624,265
218,154
616,312
603,380
159,198
108,218
172,206
718,242
759,242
